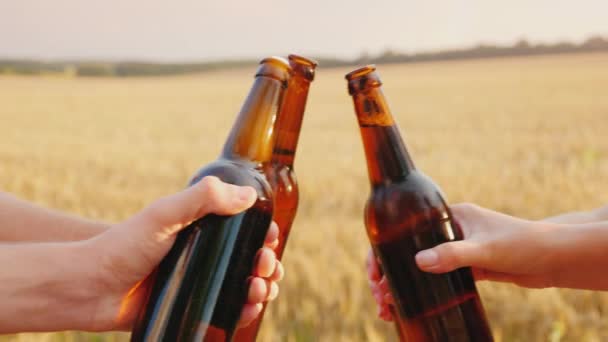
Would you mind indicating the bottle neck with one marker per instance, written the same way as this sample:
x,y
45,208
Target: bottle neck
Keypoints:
x,y
253,135
387,157
289,121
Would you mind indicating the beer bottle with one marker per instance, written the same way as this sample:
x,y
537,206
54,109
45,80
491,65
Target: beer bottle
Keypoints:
x,y
281,175
201,285
406,213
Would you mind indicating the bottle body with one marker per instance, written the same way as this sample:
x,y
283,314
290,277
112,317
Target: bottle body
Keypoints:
x,y
405,214
201,285
402,219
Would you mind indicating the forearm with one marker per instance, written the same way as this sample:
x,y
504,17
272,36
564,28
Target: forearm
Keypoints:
x,y
595,215
46,287
24,221
581,252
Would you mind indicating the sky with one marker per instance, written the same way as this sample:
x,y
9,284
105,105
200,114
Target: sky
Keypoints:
x,y
189,30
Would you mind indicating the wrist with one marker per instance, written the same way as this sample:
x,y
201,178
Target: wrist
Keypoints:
x,y
101,302
575,252
108,297
580,251
85,293
552,244
76,296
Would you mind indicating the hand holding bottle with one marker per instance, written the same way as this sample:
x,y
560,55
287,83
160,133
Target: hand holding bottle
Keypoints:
x,y
499,247
129,251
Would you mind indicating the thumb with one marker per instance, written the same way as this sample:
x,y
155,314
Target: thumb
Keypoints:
x,y
450,256
168,215
139,243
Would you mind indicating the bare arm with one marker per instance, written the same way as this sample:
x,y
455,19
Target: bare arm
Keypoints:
x,y
595,215
581,256
23,221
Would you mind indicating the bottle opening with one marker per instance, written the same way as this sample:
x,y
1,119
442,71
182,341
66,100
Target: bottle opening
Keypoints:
x,y
368,69
302,60
274,67
276,60
303,66
363,79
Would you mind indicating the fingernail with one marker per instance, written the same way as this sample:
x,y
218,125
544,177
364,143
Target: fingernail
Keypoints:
x,y
280,271
388,298
384,312
245,193
256,261
427,258
274,291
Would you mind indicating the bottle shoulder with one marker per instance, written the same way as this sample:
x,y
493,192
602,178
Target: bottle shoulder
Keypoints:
x,y
415,183
281,174
282,178
415,194
236,172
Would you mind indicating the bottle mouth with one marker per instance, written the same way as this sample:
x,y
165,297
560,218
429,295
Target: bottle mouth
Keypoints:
x,y
276,61
303,65
275,67
368,69
363,79
302,60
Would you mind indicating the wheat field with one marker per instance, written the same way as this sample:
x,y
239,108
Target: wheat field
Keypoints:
x,y
526,136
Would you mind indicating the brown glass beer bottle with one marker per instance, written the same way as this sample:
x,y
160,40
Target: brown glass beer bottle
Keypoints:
x,y
281,175
405,214
201,285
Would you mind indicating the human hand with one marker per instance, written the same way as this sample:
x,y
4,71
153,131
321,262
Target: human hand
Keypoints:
x,y
498,247
128,252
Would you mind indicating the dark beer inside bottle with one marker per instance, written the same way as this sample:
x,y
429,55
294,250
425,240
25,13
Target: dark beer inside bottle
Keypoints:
x,y
407,214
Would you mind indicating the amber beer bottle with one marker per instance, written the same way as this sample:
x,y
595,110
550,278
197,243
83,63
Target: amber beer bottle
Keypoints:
x,y
201,285
405,214
281,175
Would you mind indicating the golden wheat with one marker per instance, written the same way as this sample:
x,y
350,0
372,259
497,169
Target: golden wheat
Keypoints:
x,y
525,136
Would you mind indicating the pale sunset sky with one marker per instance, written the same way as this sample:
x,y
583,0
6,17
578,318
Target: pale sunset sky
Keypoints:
x,y
195,30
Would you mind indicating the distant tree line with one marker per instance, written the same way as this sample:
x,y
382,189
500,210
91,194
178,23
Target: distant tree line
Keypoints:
x,y
520,48
124,69
111,69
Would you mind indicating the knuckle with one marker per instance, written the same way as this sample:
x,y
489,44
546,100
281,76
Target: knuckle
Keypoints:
x,y
211,188
271,254
208,183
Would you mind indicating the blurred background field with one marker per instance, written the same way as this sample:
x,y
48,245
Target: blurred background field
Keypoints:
x,y
526,136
